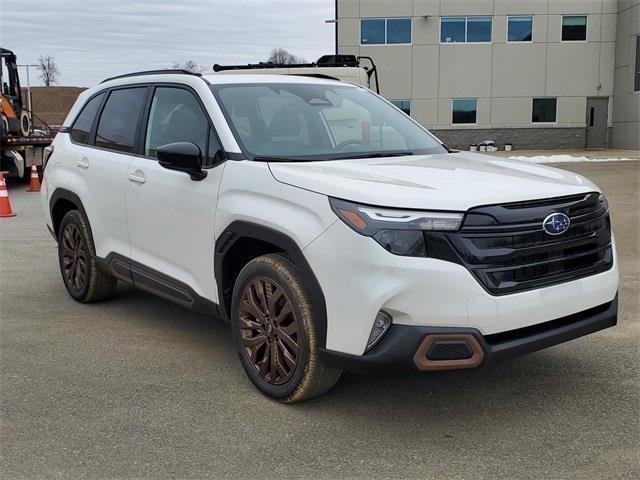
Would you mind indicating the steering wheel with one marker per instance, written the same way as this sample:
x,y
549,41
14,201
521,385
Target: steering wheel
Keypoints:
x,y
349,142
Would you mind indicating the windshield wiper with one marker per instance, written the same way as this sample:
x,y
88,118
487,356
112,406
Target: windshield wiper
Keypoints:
x,y
374,155
262,158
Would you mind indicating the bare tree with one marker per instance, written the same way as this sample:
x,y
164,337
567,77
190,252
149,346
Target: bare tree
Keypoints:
x,y
280,55
48,70
189,65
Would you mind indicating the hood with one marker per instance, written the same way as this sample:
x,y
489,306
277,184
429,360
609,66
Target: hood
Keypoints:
x,y
453,181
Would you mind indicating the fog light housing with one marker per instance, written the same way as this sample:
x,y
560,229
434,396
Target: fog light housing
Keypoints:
x,y
380,326
409,243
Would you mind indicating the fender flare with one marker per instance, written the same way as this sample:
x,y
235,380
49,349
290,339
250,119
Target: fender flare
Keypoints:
x,y
64,194
238,230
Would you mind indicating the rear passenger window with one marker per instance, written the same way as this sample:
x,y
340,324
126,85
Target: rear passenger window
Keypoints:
x,y
119,119
175,116
82,126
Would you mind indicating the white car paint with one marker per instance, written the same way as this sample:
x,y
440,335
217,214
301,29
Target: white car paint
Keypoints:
x,y
170,223
432,181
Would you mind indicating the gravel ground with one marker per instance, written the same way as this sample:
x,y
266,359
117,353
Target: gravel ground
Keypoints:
x,y
137,387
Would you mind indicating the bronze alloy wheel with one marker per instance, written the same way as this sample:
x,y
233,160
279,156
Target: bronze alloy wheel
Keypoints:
x,y
269,330
74,257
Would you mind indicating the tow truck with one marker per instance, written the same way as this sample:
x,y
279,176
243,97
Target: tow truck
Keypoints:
x,y
20,145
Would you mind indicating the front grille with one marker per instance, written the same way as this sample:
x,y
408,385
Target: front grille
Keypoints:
x,y
507,250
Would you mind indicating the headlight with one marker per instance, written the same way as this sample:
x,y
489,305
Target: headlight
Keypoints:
x,y
398,231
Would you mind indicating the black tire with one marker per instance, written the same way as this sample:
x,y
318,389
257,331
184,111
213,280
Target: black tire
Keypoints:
x,y
86,283
251,315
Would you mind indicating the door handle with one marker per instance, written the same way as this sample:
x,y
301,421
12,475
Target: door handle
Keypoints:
x,y
83,163
137,177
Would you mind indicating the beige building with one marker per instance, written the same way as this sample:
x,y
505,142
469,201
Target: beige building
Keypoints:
x,y
533,73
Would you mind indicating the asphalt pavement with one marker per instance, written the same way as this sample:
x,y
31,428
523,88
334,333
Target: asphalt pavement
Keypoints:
x,y
136,387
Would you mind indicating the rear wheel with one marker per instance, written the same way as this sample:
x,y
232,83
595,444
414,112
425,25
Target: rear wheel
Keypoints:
x,y
85,282
274,331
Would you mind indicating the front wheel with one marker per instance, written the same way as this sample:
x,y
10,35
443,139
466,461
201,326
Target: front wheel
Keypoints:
x,y
274,331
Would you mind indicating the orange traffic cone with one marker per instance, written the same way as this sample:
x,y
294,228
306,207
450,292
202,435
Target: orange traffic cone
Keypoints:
x,y
5,204
34,182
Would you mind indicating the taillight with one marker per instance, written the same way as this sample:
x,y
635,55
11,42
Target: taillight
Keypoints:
x,y
46,155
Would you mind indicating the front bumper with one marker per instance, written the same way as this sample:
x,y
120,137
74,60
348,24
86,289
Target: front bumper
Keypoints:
x,y
404,347
359,278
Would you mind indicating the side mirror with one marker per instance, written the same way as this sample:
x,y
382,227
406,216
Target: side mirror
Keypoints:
x,y
184,157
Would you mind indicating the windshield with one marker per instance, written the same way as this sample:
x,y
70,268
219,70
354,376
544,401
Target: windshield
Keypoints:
x,y
319,122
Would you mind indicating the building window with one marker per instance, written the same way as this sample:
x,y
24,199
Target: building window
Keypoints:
x,y
464,110
404,105
380,31
465,29
478,29
543,110
636,84
520,29
574,28
373,31
399,30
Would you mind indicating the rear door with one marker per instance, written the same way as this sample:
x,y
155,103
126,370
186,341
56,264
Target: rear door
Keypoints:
x,y
102,159
171,216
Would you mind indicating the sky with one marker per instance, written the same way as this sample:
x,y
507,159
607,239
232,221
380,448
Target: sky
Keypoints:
x,y
95,39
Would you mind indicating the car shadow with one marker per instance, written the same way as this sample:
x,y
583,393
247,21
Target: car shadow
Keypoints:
x,y
511,392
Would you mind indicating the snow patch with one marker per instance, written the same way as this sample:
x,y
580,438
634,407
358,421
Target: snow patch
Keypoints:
x,y
566,159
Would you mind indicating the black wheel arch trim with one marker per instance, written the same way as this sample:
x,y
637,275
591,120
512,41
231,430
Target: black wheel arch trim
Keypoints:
x,y
68,195
239,230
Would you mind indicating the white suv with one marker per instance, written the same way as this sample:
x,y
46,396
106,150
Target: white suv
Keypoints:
x,y
327,226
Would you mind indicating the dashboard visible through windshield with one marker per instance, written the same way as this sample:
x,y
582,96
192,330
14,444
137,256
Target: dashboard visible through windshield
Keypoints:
x,y
304,122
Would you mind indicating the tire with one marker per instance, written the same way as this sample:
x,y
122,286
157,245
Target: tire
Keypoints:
x,y
84,281
25,124
271,312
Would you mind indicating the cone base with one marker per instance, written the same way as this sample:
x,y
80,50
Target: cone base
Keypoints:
x,y
33,189
4,215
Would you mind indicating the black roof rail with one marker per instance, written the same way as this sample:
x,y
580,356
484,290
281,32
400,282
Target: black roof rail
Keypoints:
x,y
154,72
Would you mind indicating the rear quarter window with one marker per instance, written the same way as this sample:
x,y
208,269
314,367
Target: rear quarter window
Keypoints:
x,y
82,126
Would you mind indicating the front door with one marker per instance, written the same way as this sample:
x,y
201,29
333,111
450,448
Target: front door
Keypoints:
x,y
597,116
171,216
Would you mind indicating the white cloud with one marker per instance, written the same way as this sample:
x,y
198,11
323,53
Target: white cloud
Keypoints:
x,y
92,40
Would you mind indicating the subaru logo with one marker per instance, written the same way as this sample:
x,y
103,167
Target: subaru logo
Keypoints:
x,y
556,224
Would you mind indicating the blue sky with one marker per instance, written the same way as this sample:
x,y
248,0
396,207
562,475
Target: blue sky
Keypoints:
x,y
92,40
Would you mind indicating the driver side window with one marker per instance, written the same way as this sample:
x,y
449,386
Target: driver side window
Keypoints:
x,y
176,116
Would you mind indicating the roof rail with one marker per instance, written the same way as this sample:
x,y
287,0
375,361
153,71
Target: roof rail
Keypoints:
x,y
154,72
